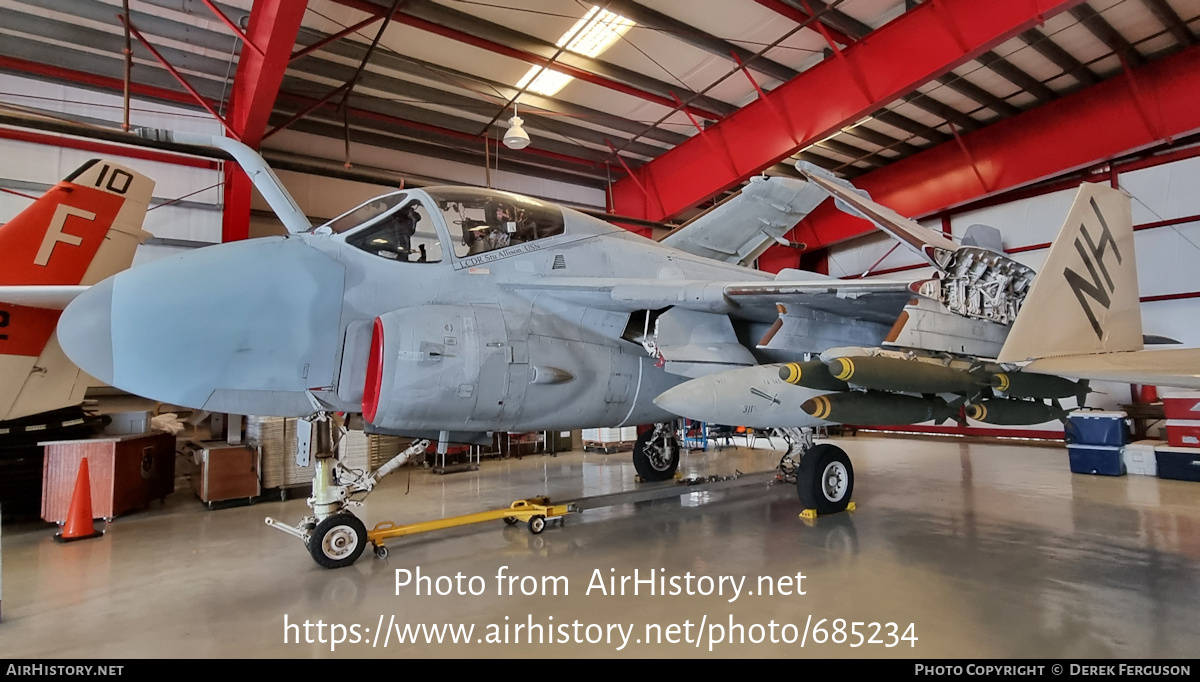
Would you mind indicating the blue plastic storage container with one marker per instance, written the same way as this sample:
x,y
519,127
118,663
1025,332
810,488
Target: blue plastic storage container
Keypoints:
x,y
1096,459
1181,464
1098,428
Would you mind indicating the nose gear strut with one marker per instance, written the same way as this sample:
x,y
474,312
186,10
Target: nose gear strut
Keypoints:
x,y
335,537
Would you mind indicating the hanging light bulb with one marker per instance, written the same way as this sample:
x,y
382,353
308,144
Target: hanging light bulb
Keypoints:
x,y
516,137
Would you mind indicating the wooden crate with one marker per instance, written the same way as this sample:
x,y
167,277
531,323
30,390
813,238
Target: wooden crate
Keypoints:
x,y
227,472
126,473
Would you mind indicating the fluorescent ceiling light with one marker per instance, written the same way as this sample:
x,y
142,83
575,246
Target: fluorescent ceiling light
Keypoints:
x,y
594,33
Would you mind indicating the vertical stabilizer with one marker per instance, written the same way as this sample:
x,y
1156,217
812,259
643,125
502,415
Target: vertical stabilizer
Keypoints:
x,y
1085,298
79,232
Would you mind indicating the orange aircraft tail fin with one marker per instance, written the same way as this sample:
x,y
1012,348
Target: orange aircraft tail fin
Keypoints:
x,y
82,230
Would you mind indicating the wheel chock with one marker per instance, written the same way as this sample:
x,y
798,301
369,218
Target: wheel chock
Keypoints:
x,y
811,514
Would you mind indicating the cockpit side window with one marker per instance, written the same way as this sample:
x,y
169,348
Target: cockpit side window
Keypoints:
x,y
407,234
485,220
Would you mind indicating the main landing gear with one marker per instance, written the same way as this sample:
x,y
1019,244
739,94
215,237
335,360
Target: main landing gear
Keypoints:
x,y
823,475
656,453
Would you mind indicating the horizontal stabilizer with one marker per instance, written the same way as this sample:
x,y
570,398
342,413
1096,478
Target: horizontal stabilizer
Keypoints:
x,y
1178,367
51,296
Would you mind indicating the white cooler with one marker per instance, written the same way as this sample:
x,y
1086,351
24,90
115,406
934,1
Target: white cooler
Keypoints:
x,y
1139,457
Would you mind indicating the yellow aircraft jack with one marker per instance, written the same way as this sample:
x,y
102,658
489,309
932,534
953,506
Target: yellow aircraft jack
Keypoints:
x,y
535,511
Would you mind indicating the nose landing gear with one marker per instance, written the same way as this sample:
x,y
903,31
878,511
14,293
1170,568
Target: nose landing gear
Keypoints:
x,y
334,536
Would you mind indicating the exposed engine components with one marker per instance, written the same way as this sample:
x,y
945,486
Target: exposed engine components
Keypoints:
x,y
978,282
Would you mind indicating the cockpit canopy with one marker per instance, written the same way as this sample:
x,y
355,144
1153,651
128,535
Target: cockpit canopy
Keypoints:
x,y
482,220
397,226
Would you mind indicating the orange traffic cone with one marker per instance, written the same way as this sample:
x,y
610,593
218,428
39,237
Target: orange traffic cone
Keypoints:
x,y
79,517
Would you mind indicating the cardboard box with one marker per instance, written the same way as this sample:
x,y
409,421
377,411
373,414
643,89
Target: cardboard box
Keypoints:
x,y
128,423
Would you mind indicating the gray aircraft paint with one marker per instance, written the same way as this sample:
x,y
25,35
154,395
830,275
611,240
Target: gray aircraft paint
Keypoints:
x,y
259,326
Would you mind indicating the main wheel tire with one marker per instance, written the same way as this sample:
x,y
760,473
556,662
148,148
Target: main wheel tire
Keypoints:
x,y
338,541
657,460
825,479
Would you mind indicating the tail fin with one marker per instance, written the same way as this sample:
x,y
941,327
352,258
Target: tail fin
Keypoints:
x,y
79,232
1085,298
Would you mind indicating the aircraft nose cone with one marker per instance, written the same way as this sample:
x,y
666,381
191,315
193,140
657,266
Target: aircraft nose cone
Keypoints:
x,y
249,327
692,399
85,331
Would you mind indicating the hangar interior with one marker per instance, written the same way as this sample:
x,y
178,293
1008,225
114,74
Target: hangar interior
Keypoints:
x,y
650,115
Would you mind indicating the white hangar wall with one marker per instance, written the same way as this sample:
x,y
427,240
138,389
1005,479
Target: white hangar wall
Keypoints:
x,y
1168,257
31,168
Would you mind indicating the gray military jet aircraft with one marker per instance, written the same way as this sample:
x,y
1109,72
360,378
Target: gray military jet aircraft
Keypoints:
x,y
451,312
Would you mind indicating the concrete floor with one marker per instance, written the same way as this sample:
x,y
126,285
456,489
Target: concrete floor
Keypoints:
x,y
988,550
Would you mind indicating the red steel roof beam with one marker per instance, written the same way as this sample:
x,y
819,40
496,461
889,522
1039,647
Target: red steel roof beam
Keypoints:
x,y
1082,129
273,27
916,47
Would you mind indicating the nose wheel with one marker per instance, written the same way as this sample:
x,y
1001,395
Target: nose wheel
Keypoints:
x,y
338,541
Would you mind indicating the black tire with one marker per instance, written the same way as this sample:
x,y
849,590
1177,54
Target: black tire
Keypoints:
x,y
338,541
381,551
825,479
537,524
655,468
510,521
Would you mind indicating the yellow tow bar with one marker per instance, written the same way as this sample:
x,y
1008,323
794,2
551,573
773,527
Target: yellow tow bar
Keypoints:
x,y
535,511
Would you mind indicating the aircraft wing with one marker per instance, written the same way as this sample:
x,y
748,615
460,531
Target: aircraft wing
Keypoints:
x,y
1178,367
873,300
50,296
740,229
693,332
